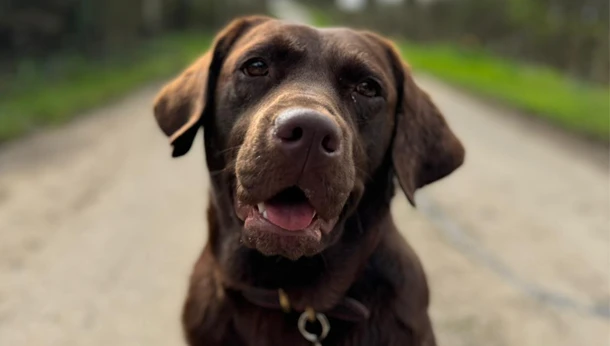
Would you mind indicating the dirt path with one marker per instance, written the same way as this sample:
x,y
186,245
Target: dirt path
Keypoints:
x,y
519,254
99,228
98,232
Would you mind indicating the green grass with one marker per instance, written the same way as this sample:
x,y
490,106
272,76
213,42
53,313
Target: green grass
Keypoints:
x,y
543,92
33,99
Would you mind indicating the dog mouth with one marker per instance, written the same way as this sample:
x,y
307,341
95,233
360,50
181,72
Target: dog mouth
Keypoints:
x,y
286,224
289,210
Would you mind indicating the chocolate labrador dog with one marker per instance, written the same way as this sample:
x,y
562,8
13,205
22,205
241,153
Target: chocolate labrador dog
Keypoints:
x,y
305,130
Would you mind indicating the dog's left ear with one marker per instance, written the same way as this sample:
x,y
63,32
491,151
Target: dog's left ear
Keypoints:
x,y
424,148
181,104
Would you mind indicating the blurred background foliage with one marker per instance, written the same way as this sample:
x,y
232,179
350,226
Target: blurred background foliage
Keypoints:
x,y
37,28
59,57
569,35
547,57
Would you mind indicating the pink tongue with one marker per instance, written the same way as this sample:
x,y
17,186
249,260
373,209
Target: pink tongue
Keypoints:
x,y
291,217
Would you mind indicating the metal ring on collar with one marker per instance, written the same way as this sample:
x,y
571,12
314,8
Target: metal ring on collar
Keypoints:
x,y
321,318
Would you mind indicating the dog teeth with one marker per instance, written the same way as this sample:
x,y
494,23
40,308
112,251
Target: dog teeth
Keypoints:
x,y
262,210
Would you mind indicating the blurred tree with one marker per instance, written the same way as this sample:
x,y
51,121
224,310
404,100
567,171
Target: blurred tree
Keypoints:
x,y
572,35
39,28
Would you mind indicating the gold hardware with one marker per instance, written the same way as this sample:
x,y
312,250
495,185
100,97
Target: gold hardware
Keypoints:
x,y
284,301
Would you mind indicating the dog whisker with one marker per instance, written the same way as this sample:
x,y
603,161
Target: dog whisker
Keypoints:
x,y
234,148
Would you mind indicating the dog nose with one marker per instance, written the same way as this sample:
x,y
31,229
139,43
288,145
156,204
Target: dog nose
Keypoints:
x,y
301,132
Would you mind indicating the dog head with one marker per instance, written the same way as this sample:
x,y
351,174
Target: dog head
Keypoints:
x,y
297,122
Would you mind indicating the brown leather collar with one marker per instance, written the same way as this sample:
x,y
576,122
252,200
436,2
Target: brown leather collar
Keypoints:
x,y
347,309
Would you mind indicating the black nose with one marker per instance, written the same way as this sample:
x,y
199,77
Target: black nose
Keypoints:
x,y
303,132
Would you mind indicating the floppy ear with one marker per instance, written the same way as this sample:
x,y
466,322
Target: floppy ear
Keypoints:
x,y
180,106
424,148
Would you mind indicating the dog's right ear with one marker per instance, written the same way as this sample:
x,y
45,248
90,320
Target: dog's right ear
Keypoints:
x,y
424,148
181,104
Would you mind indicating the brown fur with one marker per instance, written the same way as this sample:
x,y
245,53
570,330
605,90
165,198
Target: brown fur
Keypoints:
x,y
399,133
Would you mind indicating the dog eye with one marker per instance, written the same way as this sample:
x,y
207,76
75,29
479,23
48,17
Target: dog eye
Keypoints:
x,y
368,88
255,68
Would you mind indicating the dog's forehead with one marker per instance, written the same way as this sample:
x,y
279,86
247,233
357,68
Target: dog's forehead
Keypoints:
x,y
340,43
278,31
